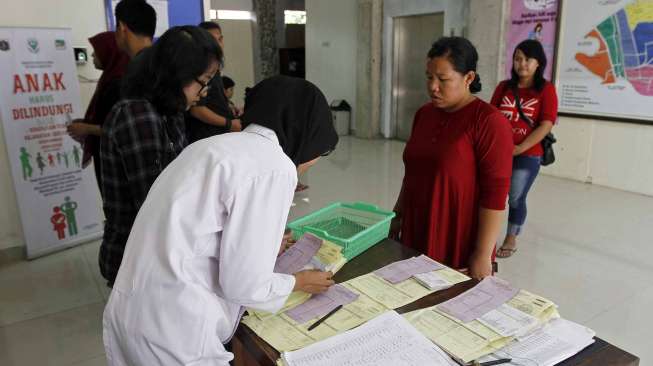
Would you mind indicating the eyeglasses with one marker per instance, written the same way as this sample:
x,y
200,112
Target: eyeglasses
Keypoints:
x,y
204,86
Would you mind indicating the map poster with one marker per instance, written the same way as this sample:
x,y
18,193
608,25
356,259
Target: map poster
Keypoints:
x,y
532,19
58,201
605,59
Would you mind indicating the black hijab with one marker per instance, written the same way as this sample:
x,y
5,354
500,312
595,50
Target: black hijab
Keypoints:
x,y
297,112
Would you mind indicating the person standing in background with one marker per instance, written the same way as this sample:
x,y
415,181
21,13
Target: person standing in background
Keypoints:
x,y
531,105
229,86
212,115
145,131
135,26
113,63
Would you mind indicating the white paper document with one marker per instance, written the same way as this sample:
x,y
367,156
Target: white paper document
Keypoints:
x,y
432,281
509,321
387,340
555,342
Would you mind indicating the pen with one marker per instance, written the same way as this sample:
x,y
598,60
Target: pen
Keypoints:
x,y
495,362
322,319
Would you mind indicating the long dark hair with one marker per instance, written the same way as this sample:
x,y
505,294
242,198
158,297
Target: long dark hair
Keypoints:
x,y
462,55
531,49
160,72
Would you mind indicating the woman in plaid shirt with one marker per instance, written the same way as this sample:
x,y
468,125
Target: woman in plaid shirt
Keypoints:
x,y
145,130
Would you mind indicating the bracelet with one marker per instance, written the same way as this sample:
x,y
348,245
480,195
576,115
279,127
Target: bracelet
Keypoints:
x,y
228,124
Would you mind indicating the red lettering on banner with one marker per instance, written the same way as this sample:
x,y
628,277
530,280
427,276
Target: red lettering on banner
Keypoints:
x,y
58,80
47,85
49,82
18,84
32,82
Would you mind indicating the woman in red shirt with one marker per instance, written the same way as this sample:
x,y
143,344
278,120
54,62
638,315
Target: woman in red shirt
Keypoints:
x,y
538,102
457,166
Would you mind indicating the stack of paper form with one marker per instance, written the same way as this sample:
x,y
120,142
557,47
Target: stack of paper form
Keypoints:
x,y
295,258
549,345
402,270
309,252
375,296
387,340
488,295
321,304
495,322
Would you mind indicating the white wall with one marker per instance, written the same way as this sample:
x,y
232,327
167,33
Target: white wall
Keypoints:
x,y
612,154
331,29
86,18
245,5
455,19
239,57
239,50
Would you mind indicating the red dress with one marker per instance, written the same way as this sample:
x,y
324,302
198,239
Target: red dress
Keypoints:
x,y
454,164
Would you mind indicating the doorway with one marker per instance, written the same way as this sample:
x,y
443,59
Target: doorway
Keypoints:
x,y
412,38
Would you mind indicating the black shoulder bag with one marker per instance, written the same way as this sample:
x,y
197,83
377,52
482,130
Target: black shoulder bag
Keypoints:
x,y
547,142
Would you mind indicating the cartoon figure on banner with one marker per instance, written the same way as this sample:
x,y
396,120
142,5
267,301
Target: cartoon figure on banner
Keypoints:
x,y
58,158
59,222
40,162
51,159
536,34
25,163
68,208
76,156
65,158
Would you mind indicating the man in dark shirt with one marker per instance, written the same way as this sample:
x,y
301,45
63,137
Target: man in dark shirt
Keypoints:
x,y
127,173
212,115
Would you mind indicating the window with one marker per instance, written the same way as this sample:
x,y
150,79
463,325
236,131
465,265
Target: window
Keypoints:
x,y
294,16
230,14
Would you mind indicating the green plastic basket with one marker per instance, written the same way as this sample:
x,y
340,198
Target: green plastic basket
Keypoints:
x,y
353,226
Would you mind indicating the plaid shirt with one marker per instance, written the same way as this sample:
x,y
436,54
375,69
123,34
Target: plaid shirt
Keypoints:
x,y
136,145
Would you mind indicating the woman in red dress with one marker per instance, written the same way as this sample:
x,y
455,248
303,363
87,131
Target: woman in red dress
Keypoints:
x,y
458,162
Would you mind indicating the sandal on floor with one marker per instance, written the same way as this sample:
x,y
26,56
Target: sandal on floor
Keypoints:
x,y
301,187
509,251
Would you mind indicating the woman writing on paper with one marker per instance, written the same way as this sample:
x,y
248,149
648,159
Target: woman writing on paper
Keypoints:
x,y
204,244
457,166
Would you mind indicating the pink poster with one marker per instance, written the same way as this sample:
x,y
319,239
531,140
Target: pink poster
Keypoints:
x,y
532,19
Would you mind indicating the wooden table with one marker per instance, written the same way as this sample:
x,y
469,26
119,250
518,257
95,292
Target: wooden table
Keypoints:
x,y
250,350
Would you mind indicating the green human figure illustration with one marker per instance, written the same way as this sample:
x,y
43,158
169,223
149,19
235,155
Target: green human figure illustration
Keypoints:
x,y
76,155
58,158
65,158
40,162
24,162
68,208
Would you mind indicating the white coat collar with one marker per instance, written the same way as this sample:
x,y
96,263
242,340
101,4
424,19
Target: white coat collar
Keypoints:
x,y
262,131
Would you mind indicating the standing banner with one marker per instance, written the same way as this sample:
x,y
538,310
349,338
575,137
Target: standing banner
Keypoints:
x,y
532,19
39,93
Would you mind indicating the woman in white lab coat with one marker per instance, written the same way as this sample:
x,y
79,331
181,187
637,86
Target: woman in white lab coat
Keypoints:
x,y
204,243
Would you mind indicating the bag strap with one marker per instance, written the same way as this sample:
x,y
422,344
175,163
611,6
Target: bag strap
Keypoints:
x,y
515,93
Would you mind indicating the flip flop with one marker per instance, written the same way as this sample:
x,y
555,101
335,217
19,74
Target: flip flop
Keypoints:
x,y
301,187
510,252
